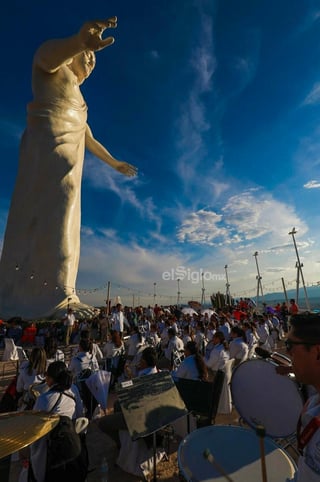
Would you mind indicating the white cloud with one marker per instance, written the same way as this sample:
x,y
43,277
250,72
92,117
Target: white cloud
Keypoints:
x,y
219,187
201,227
314,95
10,131
103,177
313,184
193,121
247,216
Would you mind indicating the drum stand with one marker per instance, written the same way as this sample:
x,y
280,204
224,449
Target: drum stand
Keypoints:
x,y
149,404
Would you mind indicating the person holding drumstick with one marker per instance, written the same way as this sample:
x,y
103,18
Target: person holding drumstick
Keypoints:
x,y
303,345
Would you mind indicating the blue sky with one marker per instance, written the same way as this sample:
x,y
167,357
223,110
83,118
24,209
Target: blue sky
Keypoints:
x,y
217,103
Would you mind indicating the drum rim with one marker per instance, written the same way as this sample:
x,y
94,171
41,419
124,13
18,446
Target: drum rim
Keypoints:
x,y
269,440
267,362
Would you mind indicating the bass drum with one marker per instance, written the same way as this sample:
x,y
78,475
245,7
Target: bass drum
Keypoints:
x,y
236,454
262,397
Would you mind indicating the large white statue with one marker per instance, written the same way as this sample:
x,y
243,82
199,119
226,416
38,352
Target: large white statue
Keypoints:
x,y
40,256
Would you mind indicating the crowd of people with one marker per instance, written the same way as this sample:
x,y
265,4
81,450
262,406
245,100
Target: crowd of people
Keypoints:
x,y
131,343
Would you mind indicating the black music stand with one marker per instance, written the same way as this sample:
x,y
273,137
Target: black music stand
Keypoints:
x,y
150,403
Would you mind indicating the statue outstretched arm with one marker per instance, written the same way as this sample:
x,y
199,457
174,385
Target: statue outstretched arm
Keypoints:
x,y
54,53
102,153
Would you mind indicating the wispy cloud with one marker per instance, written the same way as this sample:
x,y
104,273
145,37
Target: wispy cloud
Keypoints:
x,y
312,184
314,95
154,54
193,121
10,132
219,187
103,177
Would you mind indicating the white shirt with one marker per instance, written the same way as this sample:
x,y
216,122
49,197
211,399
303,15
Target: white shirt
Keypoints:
x,y
25,380
218,358
175,343
187,369
66,406
110,350
81,361
225,328
262,332
69,319
238,349
118,321
309,462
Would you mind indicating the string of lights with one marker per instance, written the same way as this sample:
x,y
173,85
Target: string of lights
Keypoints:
x,y
272,286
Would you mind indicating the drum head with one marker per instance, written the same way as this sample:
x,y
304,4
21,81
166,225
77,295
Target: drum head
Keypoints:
x,y
236,451
262,397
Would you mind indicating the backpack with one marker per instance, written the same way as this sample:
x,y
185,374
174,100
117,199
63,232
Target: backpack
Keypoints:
x,y
29,397
89,401
9,400
67,454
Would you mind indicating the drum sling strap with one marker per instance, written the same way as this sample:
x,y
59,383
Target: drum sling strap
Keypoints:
x,y
308,432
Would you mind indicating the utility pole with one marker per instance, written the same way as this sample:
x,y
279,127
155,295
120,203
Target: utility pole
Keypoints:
x,y
285,292
154,293
299,266
228,296
202,292
258,278
108,299
178,293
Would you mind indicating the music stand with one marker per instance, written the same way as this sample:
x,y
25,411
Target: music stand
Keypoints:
x,y
150,403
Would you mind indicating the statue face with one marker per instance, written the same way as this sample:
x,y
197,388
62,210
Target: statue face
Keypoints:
x,y
83,64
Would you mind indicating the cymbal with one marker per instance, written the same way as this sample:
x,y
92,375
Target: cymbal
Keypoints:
x,y
19,429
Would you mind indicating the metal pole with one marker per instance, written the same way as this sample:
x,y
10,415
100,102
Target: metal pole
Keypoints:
x,y
259,278
108,298
285,292
202,291
154,293
107,308
228,297
178,293
299,270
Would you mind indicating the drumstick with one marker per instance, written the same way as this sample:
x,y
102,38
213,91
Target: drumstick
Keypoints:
x,y
208,455
261,431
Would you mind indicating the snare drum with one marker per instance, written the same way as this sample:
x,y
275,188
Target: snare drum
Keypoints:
x,y
236,451
262,397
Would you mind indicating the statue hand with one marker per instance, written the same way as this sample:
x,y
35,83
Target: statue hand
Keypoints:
x,y
91,33
126,169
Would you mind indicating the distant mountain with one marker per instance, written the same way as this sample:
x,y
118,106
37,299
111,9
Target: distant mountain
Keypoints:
x,y
313,293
